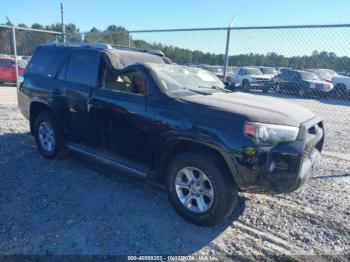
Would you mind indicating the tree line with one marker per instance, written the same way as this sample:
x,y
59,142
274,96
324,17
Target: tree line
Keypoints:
x,y
116,35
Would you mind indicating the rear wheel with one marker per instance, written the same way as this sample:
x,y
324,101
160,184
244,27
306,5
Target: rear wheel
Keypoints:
x,y
48,136
245,85
200,188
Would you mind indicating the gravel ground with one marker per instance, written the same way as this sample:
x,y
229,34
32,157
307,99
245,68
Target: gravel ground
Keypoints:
x,y
64,207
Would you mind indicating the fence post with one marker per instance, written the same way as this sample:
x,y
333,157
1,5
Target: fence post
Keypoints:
x,y
129,39
63,25
226,51
15,54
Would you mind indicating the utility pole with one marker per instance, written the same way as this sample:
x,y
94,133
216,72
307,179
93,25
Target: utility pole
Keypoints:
x,y
63,26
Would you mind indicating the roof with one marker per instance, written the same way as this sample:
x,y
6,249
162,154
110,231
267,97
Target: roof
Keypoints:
x,y
121,56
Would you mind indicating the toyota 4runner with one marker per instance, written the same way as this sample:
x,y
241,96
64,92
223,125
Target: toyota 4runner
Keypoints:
x,y
135,110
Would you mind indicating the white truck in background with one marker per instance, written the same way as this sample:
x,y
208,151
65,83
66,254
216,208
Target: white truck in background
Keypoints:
x,y
341,86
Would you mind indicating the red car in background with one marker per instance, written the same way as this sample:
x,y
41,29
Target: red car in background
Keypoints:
x,y
8,69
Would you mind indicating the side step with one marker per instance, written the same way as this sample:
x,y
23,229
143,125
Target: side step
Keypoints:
x,y
109,159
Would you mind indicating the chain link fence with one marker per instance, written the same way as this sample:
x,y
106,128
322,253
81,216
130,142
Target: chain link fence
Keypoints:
x,y
307,65
16,48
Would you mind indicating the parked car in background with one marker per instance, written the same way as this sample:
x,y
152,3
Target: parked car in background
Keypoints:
x,y
270,72
248,78
324,74
170,123
219,72
8,70
341,86
301,83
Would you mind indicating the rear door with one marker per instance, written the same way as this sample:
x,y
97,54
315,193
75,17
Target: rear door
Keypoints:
x,y
80,77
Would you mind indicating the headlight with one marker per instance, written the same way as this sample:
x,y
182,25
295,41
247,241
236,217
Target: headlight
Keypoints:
x,y
267,134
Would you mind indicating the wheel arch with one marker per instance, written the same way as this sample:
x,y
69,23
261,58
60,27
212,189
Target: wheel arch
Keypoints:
x,y
36,107
177,146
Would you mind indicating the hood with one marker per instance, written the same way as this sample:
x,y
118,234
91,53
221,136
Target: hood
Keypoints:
x,y
256,108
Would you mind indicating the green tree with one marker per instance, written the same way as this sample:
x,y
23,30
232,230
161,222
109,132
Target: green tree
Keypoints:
x,y
37,26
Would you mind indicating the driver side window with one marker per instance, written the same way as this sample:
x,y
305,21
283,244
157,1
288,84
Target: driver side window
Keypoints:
x,y
133,82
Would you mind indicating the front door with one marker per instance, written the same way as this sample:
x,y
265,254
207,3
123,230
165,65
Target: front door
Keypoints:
x,y
119,109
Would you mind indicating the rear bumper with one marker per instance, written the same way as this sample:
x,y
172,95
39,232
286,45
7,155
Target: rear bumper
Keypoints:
x,y
285,167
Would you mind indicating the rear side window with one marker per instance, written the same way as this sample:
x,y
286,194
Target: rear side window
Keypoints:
x,y
57,63
41,61
83,67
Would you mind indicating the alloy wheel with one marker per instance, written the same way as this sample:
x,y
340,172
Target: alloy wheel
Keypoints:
x,y
194,189
46,136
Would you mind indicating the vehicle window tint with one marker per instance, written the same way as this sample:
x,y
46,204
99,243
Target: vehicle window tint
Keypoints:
x,y
56,64
132,82
240,72
83,67
41,61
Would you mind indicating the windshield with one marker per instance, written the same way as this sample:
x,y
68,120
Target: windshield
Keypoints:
x,y
252,71
176,78
308,76
268,71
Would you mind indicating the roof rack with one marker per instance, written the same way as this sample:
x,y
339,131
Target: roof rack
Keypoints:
x,y
149,51
73,44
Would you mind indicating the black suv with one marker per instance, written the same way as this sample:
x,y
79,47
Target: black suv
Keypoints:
x,y
134,110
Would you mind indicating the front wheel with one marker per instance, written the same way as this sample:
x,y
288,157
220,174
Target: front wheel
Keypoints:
x,y
201,188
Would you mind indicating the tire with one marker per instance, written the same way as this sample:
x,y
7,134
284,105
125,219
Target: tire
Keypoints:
x,y
43,122
245,85
223,188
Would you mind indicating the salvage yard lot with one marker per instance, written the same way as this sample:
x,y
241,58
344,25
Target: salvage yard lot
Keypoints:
x,y
66,207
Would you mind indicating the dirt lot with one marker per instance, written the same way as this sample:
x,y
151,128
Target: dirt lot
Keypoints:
x,y
65,207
